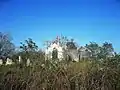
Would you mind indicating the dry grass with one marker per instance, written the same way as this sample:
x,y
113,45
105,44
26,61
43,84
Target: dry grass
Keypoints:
x,y
83,75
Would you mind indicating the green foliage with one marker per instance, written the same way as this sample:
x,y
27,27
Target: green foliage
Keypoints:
x,y
95,49
29,49
97,73
29,45
71,44
104,51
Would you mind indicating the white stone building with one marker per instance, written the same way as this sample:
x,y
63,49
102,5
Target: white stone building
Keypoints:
x,y
55,45
62,51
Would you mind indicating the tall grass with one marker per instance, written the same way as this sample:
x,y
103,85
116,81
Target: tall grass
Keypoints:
x,y
49,75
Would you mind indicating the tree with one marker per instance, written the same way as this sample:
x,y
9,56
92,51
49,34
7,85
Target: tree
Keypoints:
x,y
63,41
7,48
29,49
71,44
29,46
107,50
94,47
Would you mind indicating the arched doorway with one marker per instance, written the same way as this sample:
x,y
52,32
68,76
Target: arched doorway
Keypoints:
x,y
55,54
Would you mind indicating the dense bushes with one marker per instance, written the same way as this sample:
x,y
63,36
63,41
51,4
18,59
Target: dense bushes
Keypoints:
x,y
48,75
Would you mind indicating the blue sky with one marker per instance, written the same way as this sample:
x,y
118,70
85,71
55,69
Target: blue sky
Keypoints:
x,y
41,20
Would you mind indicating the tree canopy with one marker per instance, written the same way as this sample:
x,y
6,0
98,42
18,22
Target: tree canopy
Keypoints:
x,y
7,48
106,50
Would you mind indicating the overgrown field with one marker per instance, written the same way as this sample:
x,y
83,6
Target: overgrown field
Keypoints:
x,y
49,75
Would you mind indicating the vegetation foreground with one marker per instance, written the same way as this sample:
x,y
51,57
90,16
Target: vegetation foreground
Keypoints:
x,y
101,71
83,75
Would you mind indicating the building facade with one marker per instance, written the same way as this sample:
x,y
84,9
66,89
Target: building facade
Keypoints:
x,y
63,52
